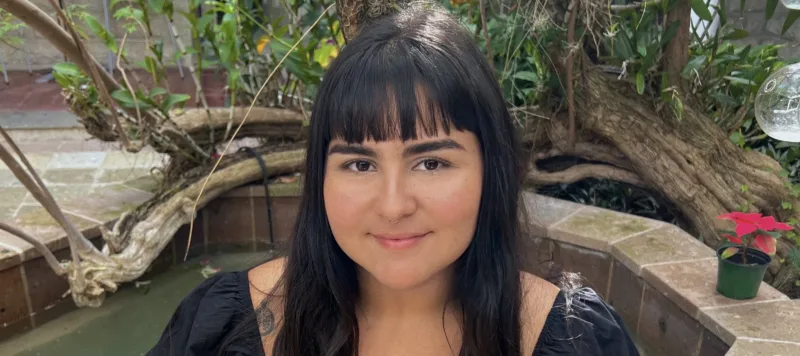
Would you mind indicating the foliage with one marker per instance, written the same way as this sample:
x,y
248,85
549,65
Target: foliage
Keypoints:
x,y
9,30
752,231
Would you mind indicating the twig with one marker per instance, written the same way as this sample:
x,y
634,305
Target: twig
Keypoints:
x,y
38,245
244,119
635,5
573,13
199,93
93,72
486,34
125,78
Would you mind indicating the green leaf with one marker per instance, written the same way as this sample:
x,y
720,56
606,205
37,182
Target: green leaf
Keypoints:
x,y
622,46
124,97
202,23
640,82
791,17
67,69
172,100
157,91
736,34
670,32
700,8
786,205
693,65
728,252
525,75
108,39
771,5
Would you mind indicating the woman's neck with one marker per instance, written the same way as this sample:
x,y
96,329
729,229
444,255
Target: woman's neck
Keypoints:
x,y
432,296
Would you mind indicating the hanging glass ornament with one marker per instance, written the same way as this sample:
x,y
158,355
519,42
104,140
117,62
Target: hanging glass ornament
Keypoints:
x,y
777,104
791,4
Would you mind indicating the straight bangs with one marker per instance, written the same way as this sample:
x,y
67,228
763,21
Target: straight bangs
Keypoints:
x,y
395,89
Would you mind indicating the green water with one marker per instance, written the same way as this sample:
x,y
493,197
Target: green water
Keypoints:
x,y
129,322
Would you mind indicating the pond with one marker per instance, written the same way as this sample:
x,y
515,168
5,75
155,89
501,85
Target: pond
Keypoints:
x,y
131,320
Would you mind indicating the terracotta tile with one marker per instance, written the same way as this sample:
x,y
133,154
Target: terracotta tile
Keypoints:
x,y
8,331
596,228
45,287
543,212
538,256
693,285
244,191
745,347
625,294
775,321
593,266
284,213
230,221
664,244
712,345
13,306
665,328
55,310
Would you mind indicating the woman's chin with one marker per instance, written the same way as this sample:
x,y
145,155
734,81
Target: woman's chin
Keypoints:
x,y
398,278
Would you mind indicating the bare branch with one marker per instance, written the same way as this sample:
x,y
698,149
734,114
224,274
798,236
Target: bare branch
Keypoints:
x,y
573,13
583,171
198,84
636,5
486,34
51,259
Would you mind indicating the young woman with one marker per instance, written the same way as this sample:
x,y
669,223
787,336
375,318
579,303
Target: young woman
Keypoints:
x,y
406,239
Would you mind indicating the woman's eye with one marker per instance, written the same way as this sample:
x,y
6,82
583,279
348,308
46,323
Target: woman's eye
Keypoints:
x,y
430,165
360,166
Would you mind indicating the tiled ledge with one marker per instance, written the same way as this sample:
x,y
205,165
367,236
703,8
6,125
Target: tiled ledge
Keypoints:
x,y
661,280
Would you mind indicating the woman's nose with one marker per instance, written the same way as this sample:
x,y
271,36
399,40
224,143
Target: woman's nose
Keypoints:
x,y
397,197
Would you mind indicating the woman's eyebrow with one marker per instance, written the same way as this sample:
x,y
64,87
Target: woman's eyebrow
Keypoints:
x,y
425,147
352,150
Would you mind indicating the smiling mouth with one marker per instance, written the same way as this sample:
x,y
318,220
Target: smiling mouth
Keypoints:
x,y
400,241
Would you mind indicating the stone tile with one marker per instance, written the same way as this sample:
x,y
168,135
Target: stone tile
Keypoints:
x,y
775,321
107,202
45,287
284,214
63,193
745,347
13,305
12,196
543,211
7,212
593,266
230,222
148,183
125,160
39,161
625,294
121,175
711,345
11,248
665,328
596,228
693,285
34,216
664,244
77,160
537,256
70,176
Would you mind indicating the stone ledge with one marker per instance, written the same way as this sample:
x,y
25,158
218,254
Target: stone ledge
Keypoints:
x,y
660,265
749,347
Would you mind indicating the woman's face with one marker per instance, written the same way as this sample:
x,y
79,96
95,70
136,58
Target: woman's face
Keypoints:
x,y
404,211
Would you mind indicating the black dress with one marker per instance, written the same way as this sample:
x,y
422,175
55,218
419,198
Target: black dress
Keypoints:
x,y
580,323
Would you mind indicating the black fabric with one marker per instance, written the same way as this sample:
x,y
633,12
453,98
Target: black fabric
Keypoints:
x,y
580,323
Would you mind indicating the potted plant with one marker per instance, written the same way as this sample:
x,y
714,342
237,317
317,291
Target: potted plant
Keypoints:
x,y
744,259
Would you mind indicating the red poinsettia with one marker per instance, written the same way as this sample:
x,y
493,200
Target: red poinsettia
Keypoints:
x,y
749,223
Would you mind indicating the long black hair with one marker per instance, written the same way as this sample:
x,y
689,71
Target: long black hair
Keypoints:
x,y
373,90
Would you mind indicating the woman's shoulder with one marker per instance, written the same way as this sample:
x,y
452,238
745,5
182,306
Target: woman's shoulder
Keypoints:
x,y
580,322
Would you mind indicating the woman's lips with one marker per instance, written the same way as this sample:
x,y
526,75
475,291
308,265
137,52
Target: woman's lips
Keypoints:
x,y
399,241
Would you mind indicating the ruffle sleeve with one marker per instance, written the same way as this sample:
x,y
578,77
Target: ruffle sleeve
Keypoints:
x,y
205,318
581,323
